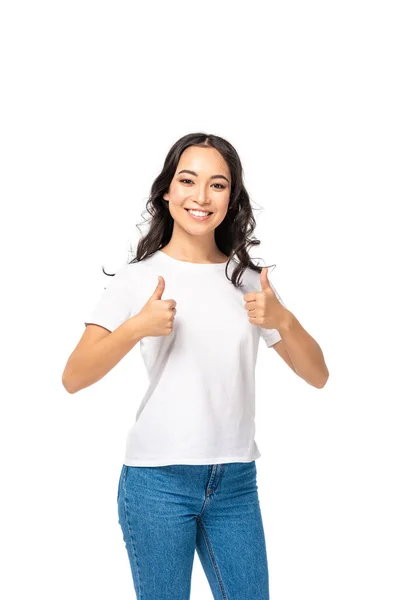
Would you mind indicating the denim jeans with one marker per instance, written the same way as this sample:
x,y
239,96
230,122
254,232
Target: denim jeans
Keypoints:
x,y
168,512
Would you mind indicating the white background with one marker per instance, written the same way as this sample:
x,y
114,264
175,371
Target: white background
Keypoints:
x,y
93,95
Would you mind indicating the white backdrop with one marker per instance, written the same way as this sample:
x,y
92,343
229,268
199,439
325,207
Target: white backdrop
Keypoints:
x,y
93,96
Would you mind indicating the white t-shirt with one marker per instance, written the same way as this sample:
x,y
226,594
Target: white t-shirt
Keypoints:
x,y
199,407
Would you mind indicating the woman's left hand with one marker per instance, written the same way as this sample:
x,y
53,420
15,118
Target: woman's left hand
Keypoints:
x,y
263,308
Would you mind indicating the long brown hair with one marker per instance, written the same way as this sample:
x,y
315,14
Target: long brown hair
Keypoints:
x,y
233,236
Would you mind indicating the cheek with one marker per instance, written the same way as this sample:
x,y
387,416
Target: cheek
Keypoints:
x,y
226,203
222,204
178,196
222,200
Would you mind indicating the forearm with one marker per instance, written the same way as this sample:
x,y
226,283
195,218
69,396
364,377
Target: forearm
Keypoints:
x,y
305,353
88,365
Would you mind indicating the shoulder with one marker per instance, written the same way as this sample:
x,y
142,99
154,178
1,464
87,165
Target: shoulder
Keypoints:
x,y
132,268
123,276
251,279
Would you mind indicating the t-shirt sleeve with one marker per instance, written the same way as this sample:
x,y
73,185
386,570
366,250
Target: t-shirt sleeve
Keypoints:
x,y
115,303
272,336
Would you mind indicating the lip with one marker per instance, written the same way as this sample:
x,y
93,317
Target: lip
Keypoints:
x,y
197,218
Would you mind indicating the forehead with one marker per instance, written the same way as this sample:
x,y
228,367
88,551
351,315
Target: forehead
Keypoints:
x,y
203,160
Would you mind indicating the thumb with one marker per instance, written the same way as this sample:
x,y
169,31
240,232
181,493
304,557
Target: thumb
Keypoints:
x,y
158,292
264,279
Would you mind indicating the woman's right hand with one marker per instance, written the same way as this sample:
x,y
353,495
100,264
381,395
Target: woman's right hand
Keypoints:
x,y
157,315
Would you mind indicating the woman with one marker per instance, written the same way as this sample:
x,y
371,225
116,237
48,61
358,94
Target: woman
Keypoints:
x,y
189,479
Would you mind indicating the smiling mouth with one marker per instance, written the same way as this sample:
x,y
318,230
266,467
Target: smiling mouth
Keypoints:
x,y
199,218
205,212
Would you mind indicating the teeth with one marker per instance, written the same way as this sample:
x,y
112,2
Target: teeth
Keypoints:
x,y
198,213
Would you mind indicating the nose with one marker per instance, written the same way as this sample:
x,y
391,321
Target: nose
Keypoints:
x,y
200,195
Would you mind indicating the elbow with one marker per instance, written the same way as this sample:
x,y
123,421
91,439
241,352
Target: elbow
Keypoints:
x,y
67,385
321,385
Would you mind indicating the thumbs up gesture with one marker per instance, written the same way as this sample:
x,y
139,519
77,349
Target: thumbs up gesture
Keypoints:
x,y
263,308
158,315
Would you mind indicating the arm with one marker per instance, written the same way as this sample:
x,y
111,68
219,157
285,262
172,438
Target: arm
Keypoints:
x,y
98,352
305,354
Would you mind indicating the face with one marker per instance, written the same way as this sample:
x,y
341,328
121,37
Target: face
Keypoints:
x,y
206,188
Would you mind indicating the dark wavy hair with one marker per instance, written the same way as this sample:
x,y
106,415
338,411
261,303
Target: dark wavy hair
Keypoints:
x,y
233,236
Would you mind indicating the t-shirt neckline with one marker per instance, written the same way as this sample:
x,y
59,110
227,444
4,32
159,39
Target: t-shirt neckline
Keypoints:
x,y
185,263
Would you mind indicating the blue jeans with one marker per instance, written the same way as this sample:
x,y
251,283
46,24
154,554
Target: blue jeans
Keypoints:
x,y
168,512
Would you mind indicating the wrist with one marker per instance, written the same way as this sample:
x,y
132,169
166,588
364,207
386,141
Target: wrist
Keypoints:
x,y
137,326
287,321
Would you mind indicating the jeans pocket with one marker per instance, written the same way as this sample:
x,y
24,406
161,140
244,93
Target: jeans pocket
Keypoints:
x,y
121,481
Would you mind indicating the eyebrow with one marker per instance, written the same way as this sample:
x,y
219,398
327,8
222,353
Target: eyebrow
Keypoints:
x,y
195,174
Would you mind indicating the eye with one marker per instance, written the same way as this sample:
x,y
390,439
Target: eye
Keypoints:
x,y
221,186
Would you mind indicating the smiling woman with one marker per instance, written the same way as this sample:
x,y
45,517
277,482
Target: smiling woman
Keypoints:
x,y
190,455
